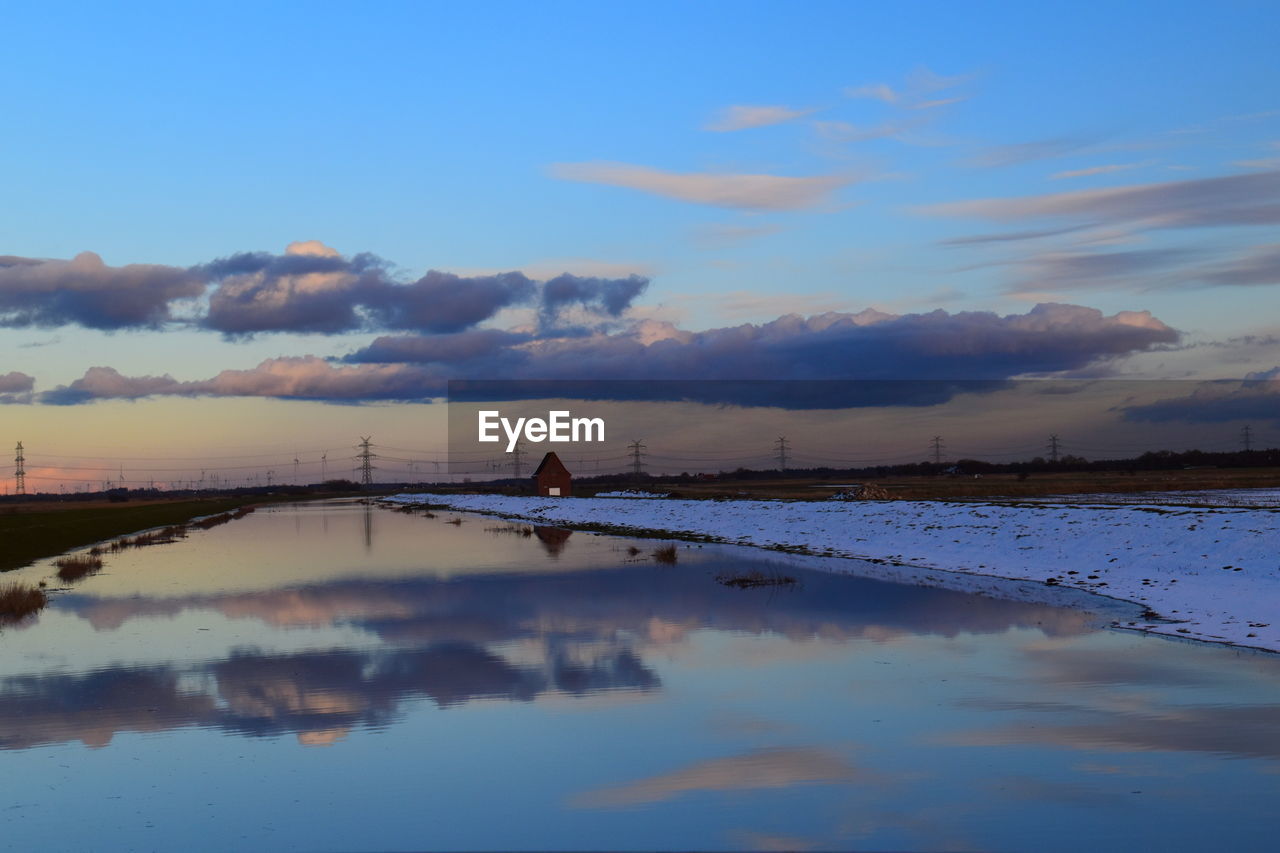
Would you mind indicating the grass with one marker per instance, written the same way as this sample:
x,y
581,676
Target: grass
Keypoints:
x,y
753,579
35,531
78,566
19,601
513,529
667,555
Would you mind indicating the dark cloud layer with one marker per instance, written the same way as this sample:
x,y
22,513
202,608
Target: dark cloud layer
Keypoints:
x,y
1255,399
870,345
87,292
313,289
308,289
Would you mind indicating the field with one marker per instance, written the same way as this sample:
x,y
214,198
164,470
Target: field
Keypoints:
x,y
32,531
985,487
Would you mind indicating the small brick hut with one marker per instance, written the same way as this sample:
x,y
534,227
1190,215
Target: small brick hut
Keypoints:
x,y
553,479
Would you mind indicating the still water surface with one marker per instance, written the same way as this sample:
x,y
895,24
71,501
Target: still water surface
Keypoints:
x,y
336,676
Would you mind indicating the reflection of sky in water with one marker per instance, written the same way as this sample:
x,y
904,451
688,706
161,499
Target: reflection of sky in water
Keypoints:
x,y
477,687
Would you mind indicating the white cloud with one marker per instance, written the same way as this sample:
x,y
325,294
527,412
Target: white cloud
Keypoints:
x,y
744,117
1094,170
743,192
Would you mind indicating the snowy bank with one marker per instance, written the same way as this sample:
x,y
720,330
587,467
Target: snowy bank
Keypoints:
x,y
1205,573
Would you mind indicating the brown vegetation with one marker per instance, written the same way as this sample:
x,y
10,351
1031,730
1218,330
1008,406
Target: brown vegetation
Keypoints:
x,y
752,579
78,566
667,554
19,601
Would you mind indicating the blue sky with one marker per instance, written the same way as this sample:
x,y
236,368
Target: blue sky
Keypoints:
x,y
750,160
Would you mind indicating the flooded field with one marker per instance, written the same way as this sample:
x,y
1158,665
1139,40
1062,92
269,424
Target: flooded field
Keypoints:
x,y
339,676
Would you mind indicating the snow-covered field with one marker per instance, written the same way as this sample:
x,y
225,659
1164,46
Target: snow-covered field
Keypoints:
x,y
1212,573
1210,497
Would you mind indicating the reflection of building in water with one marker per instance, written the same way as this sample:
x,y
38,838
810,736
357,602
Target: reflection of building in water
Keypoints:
x,y
552,538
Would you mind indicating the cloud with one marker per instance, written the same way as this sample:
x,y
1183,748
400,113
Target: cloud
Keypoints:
x,y
15,382
743,192
475,346
830,346
1251,199
868,345
293,378
1272,162
444,302
1094,170
765,768
1026,152
723,235
1058,270
877,91
937,102
920,83
85,291
1260,267
16,388
1009,236
598,296
843,131
312,288
1254,399
745,117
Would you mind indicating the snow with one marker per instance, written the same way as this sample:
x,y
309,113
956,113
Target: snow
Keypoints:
x,y
1208,497
1210,574
632,493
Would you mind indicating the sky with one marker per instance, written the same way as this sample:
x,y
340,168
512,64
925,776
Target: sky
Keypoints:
x,y
272,228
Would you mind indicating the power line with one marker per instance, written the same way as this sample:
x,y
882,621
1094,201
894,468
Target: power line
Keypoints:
x,y
19,472
517,466
637,452
366,458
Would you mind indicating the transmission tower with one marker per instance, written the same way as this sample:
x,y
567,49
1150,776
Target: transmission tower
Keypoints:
x,y
782,452
366,458
295,469
1246,435
324,464
637,454
19,472
1053,448
937,450
517,465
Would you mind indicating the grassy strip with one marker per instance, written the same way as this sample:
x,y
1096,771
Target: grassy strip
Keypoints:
x,y
18,601
29,536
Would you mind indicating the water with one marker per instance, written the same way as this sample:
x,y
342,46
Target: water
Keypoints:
x,y
343,677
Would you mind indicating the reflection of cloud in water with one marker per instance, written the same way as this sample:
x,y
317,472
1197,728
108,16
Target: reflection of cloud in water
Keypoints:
x,y
644,601
1125,709
511,637
1249,731
764,768
319,695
